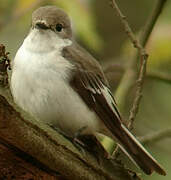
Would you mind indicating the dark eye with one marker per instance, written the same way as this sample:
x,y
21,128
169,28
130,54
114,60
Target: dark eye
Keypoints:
x,y
59,27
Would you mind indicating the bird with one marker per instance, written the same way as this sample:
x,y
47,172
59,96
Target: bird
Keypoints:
x,y
60,83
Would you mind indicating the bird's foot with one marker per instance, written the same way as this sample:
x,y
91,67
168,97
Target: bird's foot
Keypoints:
x,y
73,139
89,142
93,145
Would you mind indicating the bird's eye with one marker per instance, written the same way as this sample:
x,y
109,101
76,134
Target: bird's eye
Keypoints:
x,y
59,27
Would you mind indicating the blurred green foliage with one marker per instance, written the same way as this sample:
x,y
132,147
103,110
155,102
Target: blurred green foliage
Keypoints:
x,y
159,48
98,29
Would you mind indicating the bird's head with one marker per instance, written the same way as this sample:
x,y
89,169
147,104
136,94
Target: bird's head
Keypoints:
x,y
53,19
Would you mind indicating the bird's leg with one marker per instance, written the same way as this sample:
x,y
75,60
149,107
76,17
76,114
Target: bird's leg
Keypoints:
x,y
83,141
76,141
93,145
73,139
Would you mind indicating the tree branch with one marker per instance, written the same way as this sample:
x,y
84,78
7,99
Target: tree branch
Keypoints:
x,y
51,149
130,74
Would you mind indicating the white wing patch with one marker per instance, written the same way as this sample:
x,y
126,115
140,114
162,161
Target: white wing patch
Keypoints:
x,y
110,100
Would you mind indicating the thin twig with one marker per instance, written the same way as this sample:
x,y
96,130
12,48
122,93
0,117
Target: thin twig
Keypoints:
x,y
162,76
143,39
127,28
113,68
129,76
131,73
150,24
155,136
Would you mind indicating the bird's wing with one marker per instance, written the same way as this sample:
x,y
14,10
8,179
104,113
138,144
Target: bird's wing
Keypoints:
x,y
89,82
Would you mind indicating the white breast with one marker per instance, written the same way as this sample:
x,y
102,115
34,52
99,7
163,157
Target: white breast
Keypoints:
x,y
40,84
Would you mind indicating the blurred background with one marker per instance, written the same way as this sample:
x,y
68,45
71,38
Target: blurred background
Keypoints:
x,y
98,29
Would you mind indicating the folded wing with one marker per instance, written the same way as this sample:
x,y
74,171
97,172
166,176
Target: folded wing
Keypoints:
x,y
89,82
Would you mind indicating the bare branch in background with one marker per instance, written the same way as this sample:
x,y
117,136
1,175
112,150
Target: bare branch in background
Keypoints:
x,y
113,68
162,76
130,74
127,28
155,136
143,39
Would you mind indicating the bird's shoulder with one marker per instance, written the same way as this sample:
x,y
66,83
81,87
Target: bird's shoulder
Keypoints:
x,y
84,62
90,83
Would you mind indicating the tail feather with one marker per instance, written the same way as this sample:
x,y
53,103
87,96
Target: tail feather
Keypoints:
x,y
103,104
137,153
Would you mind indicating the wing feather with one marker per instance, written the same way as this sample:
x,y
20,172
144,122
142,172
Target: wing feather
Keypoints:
x,y
89,82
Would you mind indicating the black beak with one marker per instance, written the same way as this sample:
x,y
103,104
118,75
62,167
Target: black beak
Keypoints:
x,y
40,25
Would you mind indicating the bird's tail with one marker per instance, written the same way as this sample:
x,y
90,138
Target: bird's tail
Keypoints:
x,y
136,152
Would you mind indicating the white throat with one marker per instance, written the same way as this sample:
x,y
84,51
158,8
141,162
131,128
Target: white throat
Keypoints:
x,y
43,41
39,71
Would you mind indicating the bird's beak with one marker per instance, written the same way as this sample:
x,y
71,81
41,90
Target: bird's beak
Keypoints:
x,y
41,25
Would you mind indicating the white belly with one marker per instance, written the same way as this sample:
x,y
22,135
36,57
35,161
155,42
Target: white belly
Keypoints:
x,y
40,85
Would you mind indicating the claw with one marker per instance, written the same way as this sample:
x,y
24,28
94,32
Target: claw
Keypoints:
x,y
73,139
88,142
93,145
